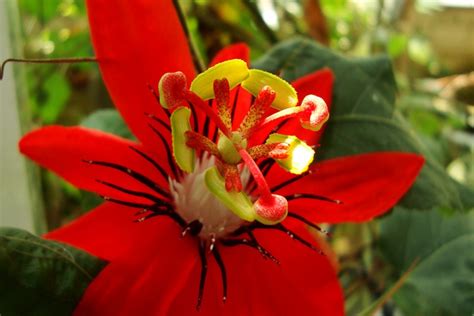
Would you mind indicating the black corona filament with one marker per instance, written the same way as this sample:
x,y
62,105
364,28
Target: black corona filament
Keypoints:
x,y
159,121
169,155
207,122
194,228
265,253
221,265
288,182
308,222
160,169
157,98
133,174
311,196
144,207
202,279
234,104
252,244
145,195
292,235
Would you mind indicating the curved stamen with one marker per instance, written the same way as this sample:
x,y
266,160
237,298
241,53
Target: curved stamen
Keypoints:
x,y
256,173
201,142
312,113
273,150
257,111
278,117
265,167
222,98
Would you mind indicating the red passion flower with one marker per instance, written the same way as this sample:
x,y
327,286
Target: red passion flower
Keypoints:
x,y
209,208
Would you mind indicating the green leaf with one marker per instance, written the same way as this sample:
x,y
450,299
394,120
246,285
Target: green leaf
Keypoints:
x,y
42,10
364,119
397,44
108,120
56,94
442,283
42,277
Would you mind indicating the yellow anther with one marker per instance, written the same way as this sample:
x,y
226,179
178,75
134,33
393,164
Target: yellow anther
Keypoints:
x,y
234,70
183,155
286,96
300,155
238,202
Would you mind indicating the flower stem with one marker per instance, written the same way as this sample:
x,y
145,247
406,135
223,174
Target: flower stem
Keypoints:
x,y
197,59
280,116
71,60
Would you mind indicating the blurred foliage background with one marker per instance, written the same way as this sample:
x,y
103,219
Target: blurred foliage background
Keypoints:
x,y
430,43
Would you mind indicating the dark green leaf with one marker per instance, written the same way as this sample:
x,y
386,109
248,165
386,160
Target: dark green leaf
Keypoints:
x,y
108,120
42,277
364,119
443,282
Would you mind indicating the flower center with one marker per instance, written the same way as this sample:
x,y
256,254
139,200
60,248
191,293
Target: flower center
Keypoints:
x,y
223,178
193,201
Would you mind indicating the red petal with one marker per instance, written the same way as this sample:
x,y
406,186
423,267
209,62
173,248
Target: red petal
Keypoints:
x,y
319,83
136,42
108,231
160,276
368,185
145,280
234,51
64,149
304,284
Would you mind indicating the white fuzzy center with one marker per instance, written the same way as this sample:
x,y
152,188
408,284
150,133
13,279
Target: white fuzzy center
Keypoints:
x,y
193,201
